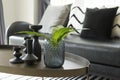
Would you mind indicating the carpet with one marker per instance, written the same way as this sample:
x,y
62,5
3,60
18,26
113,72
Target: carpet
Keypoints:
x,y
6,76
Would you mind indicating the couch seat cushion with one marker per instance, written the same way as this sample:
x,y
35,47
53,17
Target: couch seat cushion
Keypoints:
x,y
104,52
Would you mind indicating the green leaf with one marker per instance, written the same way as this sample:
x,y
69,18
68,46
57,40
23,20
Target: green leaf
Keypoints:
x,y
57,28
60,34
32,33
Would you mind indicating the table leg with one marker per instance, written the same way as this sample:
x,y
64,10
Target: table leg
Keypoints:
x,y
87,77
42,78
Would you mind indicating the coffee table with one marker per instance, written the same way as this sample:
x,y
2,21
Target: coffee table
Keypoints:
x,y
74,65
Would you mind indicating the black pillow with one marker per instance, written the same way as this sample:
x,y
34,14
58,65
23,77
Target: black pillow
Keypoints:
x,y
99,23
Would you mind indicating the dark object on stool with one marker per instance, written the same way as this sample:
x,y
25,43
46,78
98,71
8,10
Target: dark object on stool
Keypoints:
x,y
17,55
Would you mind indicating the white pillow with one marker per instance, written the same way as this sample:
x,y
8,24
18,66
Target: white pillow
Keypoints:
x,y
116,25
76,16
54,15
76,19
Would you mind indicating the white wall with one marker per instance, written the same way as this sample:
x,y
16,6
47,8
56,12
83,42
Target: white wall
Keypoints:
x,y
18,10
9,11
24,10
61,2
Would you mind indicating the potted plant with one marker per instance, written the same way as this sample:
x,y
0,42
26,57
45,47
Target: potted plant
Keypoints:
x,y
54,48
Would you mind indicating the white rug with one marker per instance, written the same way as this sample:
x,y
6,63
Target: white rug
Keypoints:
x,y
5,76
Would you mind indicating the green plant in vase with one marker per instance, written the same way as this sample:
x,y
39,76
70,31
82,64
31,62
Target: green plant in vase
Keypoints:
x,y
54,47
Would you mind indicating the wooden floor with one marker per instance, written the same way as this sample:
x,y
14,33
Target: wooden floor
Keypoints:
x,y
5,76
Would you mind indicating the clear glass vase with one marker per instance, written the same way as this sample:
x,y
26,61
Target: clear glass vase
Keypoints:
x,y
54,57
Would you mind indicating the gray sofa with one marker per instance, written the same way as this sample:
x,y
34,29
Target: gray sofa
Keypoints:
x,y
103,55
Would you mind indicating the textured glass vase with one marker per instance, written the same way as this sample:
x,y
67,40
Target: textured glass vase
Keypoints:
x,y
54,57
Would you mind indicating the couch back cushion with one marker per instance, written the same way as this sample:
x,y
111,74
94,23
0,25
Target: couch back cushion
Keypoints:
x,y
54,15
116,25
76,17
99,23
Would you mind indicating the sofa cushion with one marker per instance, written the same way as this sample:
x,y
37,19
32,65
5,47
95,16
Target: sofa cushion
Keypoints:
x,y
99,23
105,70
104,52
116,25
76,17
54,15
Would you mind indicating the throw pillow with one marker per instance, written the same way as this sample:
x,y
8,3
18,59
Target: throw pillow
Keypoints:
x,y
116,25
76,16
54,15
76,19
99,23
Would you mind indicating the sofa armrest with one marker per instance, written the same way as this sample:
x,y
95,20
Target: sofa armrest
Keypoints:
x,y
16,27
